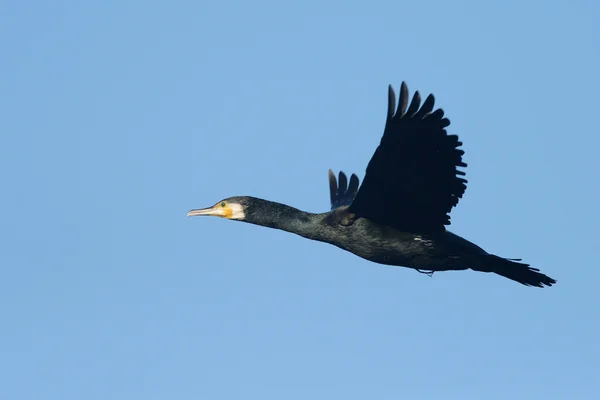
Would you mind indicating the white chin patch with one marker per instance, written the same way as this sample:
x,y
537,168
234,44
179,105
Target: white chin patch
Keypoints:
x,y
237,212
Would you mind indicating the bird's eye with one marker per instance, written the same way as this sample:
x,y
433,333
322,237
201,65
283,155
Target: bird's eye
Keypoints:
x,y
222,204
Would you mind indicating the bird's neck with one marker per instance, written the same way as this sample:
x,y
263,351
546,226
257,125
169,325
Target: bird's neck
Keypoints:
x,y
280,216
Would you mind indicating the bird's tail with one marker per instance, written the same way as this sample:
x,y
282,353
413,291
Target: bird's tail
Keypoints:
x,y
519,272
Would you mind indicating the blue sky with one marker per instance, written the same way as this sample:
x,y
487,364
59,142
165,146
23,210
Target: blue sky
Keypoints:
x,y
119,117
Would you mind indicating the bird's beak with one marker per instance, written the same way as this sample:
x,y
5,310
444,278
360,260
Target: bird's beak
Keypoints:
x,y
216,211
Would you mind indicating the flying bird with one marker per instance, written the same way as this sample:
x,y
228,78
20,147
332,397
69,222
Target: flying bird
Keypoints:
x,y
398,215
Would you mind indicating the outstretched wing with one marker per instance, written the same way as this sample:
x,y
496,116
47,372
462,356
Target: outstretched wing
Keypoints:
x,y
340,192
412,181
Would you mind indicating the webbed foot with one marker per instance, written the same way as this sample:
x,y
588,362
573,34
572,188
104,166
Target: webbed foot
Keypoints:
x,y
428,273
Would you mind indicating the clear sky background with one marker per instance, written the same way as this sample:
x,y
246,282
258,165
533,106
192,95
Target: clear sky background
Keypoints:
x,y
117,117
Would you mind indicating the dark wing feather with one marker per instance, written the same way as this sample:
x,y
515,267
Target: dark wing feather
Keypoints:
x,y
412,180
342,193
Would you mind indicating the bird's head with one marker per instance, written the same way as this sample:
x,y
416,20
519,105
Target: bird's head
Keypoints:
x,y
231,208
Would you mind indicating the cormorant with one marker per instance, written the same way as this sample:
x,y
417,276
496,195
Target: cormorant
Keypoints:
x,y
399,213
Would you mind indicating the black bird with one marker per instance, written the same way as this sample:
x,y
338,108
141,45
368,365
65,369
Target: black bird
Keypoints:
x,y
399,213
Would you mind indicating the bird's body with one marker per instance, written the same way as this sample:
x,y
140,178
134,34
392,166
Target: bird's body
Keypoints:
x,y
398,216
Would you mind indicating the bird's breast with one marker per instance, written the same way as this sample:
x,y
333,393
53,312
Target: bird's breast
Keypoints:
x,y
377,243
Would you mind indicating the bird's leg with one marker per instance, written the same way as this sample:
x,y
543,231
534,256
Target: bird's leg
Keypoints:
x,y
428,273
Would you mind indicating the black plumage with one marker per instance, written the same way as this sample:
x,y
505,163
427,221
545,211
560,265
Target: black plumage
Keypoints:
x,y
398,216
